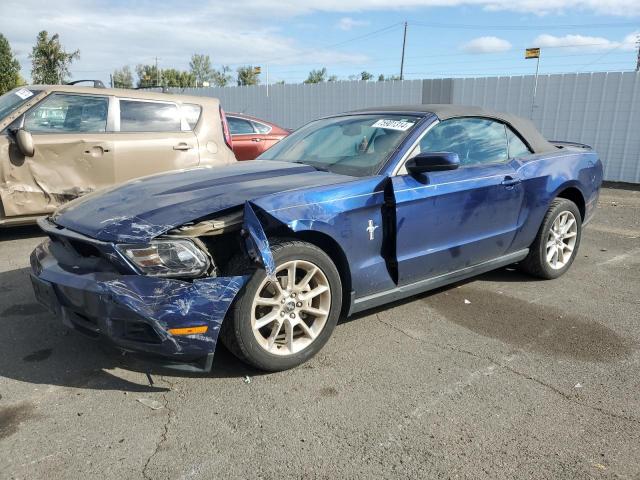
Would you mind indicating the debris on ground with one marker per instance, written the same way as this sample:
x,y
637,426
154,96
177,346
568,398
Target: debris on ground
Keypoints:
x,y
246,379
467,301
152,404
577,385
603,249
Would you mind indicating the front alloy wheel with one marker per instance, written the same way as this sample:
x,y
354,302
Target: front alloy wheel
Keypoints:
x,y
278,323
290,311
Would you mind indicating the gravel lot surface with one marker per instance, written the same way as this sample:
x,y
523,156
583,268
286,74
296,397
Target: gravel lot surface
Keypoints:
x,y
499,377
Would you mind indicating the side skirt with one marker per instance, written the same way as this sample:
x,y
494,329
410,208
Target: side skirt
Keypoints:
x,y
404,291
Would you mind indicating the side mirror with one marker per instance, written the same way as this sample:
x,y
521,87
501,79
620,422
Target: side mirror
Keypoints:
x,y
24,140
432,162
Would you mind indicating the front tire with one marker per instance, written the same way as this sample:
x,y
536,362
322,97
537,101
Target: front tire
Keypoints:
x,y
556,245
277,324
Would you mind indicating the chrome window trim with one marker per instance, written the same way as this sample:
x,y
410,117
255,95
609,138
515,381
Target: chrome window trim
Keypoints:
x,y
263,124
250,122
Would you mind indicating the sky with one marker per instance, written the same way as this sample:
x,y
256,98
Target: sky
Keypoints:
x,y
288,38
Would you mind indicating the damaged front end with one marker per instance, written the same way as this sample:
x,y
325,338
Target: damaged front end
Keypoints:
x,y
129,294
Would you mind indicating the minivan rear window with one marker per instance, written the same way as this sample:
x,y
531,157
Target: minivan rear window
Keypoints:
x,y
136,116
191,114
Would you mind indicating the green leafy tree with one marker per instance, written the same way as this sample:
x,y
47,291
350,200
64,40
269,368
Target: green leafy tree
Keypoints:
x,y
200,67
171,77
365,76
391,78
317,76
248,75
50,61
222,77
123,78
9,67
148,76
332,78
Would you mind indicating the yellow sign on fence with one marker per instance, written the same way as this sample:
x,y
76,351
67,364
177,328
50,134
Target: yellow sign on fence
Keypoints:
x,y
532,53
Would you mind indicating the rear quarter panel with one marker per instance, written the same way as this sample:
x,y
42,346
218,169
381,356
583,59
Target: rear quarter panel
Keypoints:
x,y
545,177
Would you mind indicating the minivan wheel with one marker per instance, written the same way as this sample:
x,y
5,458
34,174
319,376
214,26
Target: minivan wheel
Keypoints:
x,y
278,323
557,242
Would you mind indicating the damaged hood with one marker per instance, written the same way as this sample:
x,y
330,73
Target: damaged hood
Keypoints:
x,y
142,209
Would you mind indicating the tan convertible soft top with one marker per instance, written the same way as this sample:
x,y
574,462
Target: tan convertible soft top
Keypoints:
x,y
522,126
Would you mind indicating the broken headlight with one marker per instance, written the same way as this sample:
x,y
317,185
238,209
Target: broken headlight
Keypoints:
x,y
167,258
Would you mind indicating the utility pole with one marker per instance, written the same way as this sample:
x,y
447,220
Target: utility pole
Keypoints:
x,y
404,43
638,60
157,74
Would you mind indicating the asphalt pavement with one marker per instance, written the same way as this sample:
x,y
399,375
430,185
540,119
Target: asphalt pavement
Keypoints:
x,y
502,376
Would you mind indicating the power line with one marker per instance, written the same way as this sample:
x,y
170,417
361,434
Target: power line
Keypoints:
x,y
339,44
521,27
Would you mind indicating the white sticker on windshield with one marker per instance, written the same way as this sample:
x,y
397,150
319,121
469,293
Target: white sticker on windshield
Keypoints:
x,y
401,125
23,93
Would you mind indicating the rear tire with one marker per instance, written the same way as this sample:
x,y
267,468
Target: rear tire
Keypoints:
x,y
277,325
556,244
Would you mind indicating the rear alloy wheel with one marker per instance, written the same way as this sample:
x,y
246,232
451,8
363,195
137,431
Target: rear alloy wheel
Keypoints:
x,y
561,240
557,242
280,322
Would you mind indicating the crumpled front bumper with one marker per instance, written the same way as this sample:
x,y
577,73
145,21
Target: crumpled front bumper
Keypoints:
x,y
135,312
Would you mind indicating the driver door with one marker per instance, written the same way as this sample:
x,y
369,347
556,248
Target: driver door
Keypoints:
x,y
450,220
73,155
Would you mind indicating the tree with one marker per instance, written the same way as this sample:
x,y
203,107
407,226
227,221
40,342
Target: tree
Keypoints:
x,y
50,61
9,67
317,76
248,75
171,77
222,77
391,78
123,78
148,76
364,76
201,70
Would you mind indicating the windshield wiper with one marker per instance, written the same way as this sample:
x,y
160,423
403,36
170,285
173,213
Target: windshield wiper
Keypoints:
x,y
316,166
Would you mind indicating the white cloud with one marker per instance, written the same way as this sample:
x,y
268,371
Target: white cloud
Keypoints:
x,y
109,36
348,23
487,45
584,42
627,8
112,34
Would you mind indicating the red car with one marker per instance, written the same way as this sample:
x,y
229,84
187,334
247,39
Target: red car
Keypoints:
x,y
252,136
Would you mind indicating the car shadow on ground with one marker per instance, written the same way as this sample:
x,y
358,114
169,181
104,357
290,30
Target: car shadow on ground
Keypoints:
x,y
36,348
506,274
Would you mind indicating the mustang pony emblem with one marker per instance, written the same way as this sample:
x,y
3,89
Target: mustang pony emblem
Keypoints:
x,y
371,228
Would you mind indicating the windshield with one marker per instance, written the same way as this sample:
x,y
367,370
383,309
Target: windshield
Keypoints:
x,y
356,145
12,100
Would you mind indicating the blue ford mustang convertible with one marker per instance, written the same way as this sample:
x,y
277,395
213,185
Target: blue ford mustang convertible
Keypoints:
x,y
349,212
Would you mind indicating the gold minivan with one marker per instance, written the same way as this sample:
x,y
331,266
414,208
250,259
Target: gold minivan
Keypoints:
x,y
58,142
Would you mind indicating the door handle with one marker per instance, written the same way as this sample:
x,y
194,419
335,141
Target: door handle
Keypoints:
x,y
96,151
256,139
509,181
182,147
